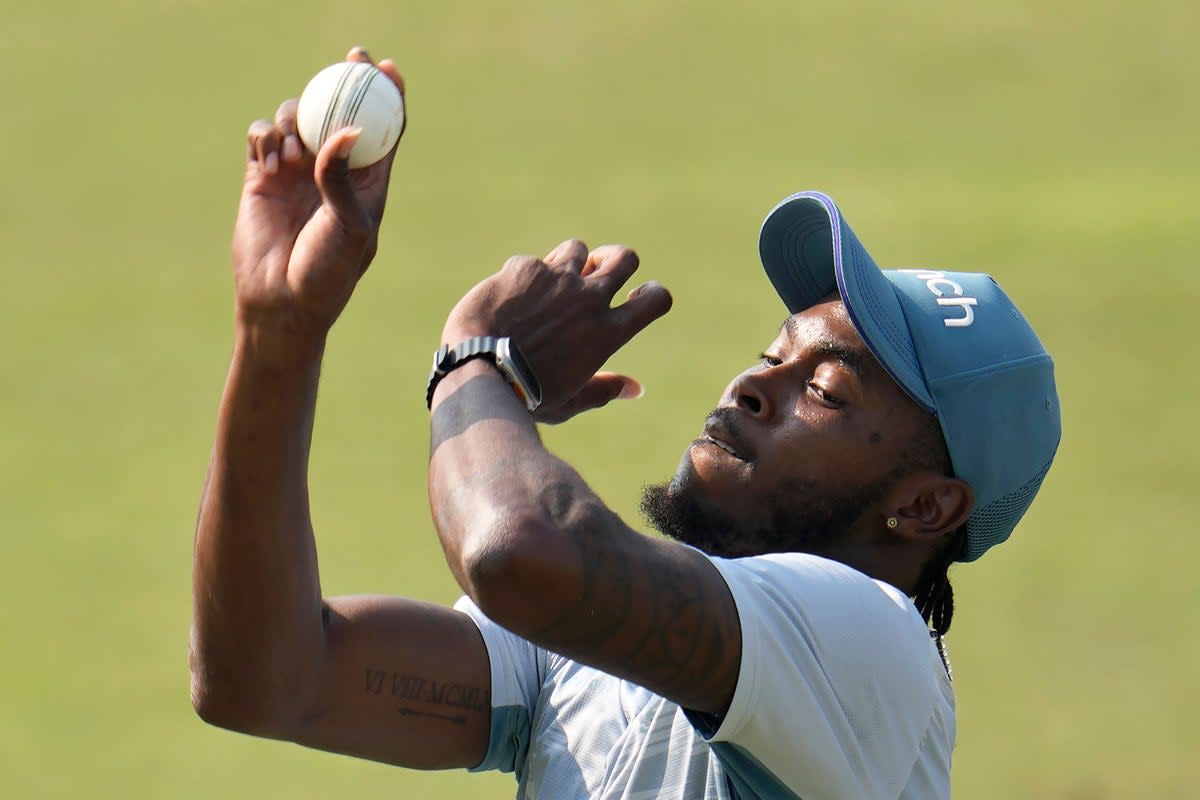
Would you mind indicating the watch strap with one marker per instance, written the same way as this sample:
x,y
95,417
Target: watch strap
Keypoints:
x,y
500,352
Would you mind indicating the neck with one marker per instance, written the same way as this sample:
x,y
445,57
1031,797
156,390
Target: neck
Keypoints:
x,y
896,565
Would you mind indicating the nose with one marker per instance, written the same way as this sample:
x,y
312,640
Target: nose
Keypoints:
x,y
749,392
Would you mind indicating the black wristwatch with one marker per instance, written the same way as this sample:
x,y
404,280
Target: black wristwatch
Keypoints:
x,y
500,351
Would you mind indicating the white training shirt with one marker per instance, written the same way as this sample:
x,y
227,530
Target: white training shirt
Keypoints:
x,y
841,694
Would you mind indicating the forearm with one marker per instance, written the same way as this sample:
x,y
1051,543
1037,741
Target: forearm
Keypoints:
x,y
257,634
542,555
526,538
487,467
515,521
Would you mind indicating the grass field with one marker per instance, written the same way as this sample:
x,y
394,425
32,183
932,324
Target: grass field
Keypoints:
x,y
1050,144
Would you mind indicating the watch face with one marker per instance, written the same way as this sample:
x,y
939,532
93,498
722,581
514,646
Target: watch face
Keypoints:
x,y
500,351
519,359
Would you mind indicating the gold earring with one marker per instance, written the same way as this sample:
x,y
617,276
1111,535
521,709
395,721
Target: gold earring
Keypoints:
x,y
892,523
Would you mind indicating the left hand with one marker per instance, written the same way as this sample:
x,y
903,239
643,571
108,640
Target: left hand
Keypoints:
x,y
559,312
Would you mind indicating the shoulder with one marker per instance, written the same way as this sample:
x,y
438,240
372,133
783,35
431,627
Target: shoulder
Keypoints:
x,y
829,619
817,587
839,682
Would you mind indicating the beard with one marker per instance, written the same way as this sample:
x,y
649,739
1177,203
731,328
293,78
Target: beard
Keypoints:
x,y
798,516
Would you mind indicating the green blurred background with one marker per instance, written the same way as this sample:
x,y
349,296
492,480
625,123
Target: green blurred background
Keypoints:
x,y
1050,144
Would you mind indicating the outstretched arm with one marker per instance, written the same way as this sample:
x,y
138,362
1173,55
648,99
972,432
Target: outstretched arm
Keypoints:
x,y
526,538
268,655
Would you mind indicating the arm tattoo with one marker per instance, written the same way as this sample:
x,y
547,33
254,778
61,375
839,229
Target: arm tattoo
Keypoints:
x,y
657,619
648,619
421,696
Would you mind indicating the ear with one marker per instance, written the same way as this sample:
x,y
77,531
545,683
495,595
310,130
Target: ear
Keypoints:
x,y
929,506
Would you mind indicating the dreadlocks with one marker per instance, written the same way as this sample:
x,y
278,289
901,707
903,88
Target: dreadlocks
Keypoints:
x,y
934,597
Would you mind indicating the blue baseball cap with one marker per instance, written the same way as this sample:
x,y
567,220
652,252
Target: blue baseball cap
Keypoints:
x,y
953,341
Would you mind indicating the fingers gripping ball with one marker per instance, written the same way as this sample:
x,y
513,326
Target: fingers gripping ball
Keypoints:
x,y
346,95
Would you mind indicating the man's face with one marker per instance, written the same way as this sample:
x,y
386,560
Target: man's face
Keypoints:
x,y
801,450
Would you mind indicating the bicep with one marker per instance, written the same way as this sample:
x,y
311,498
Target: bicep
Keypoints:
x,y
404,682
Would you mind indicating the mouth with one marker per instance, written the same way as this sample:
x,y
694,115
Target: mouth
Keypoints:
x,y
706,439
718,432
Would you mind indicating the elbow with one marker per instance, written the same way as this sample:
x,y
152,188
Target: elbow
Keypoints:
x,y
210,707
528,561
236,704
236,712
233,711
529,564
509,571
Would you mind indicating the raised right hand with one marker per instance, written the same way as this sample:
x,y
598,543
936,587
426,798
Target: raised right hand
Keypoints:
x,y
307,227
559,312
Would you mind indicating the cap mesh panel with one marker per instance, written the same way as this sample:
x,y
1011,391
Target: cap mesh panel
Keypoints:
x,y
994,522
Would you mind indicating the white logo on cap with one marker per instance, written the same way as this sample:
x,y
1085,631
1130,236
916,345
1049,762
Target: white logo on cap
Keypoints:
x,y
938,284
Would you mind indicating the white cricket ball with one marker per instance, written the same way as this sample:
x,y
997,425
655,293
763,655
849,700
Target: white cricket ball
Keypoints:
x,y
352,94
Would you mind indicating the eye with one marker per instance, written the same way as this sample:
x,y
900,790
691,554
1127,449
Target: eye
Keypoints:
x,y
770,360
825,397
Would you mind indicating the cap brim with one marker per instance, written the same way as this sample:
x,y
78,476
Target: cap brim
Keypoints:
x,y
809,252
